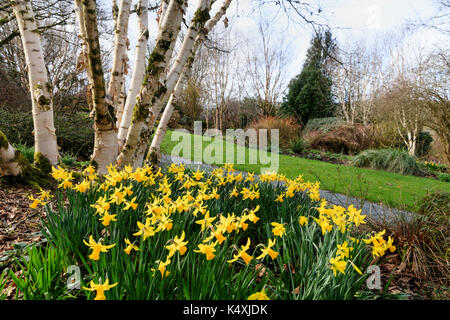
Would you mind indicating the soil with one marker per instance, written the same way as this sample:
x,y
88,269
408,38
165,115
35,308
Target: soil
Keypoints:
x,y
18,222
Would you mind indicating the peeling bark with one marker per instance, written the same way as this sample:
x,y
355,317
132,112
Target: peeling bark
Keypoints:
x,y
198,22
119,57
138,71
154,152
152,88
40,88
105,144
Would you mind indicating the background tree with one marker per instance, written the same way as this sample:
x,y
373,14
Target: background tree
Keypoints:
x,y
309,94
266,67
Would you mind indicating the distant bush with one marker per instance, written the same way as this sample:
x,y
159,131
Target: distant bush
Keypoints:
x,y
288,129
424,141
74,132
17,126
393,160
299,145
436,205
345,138
323,124
443,176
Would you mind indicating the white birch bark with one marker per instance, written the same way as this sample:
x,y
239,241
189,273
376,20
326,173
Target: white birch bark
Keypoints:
x,y
41,94
119,57
154,152
139,157
152,88
138,71
198,22
105,144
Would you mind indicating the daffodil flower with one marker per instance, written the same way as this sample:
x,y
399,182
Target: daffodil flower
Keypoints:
x,y
303,221
278,229
130,246
145,229
261,295
268,251
242,254
207,249
107,218
100,288
206,222
177,245
97,248
338,265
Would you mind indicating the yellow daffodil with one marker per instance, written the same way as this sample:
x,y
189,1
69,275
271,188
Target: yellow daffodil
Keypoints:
x,y
145,229
344,250
234,192
97,248
198,175
100,288
101,205
207,249
261,295
280,198
130,204
36,202
82,186
177,245
250,177
338,265
242,254
252,216
206,222
303,221
268,251
107,218
278,229
130,246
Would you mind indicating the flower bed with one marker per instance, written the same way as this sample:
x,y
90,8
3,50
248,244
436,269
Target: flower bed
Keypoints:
x,y
149,234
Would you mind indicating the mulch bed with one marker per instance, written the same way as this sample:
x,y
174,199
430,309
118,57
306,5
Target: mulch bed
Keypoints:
x,y
18,222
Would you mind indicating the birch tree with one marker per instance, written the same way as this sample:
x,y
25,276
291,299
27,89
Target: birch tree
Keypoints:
x,y
154,152
119,57
138,71
46,151
105,144
266,69
152,88
197,23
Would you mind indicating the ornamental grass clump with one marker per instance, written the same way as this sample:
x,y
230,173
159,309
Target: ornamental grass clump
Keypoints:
x,y
181,234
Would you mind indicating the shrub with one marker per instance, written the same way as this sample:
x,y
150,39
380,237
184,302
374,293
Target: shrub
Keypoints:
x,y
288,129
299,145
345,138
424,141
443,176
393,160
74,132
17,126
323,124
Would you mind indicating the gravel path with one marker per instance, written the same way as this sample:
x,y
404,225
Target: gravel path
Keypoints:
x,y
376,211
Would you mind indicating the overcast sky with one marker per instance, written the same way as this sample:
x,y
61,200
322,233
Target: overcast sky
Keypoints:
x,y
350,20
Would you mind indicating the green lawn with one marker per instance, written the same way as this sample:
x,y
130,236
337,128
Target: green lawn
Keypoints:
x,y
392,189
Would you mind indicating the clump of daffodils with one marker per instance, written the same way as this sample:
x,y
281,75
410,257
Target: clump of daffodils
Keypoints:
x,y
178,193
